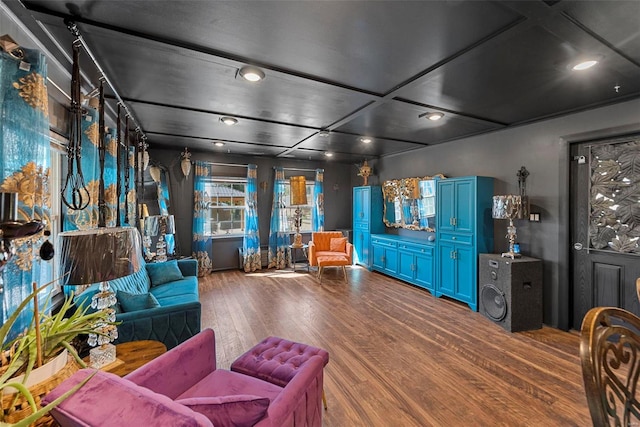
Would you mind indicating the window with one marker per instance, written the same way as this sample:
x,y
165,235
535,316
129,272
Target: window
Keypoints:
x,y
226,204
306,209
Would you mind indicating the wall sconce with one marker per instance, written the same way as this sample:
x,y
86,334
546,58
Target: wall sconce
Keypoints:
x,y
336,187
155,172
185,163
263,186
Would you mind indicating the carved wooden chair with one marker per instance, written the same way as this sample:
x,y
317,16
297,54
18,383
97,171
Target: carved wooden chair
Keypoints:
x,y
610,354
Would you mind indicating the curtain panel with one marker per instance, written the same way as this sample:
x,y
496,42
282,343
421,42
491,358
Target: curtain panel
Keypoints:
x,y
317,210
252,258
202,246
278,229
24,169
163,204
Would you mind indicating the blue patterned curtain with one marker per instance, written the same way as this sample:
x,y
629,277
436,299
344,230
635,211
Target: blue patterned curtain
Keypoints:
x,y
88,217
24,169
317,211
202,248
251,239
278,229
163,203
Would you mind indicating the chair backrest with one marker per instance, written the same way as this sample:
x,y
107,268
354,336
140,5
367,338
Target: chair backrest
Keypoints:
x,y
322,239
638,287
610,355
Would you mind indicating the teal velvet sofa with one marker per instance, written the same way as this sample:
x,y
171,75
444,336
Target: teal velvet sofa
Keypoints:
x,y
160,302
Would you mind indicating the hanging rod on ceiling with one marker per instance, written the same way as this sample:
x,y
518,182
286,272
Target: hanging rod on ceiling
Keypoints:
x,y
73,28
225,164
297,169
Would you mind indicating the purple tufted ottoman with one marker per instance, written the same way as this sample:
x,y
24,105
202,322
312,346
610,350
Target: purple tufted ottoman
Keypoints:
x,y
277,360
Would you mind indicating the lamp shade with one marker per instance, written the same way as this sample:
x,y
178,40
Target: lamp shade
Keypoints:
x,y
159,224
298,190
507,207
99,254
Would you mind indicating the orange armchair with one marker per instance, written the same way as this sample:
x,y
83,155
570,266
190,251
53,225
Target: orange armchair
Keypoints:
x,y
320,245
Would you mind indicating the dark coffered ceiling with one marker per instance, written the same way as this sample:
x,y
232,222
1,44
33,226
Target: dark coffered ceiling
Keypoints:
x,y
353,68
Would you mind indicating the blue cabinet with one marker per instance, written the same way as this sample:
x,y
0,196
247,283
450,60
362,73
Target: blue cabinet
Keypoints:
x,y
465,229
411,260
367,219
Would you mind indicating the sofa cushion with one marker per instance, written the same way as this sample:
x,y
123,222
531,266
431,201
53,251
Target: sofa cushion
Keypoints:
x,y
338,244
110,400
163,272
235,410
177,292
136,283
136,302
226,383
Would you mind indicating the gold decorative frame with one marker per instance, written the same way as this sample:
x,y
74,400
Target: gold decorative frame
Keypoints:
x,y
400,190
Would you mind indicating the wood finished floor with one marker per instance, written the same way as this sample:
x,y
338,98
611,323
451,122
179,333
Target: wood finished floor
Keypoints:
x,y
399,356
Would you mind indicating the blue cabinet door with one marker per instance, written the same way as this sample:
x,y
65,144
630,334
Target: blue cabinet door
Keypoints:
x,y
406,265
424,271
467,283
362,204
445,202
361,241
465,206
447,269
377,257
391,261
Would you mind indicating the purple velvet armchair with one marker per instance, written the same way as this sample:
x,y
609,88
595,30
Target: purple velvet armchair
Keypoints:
x,y
183,388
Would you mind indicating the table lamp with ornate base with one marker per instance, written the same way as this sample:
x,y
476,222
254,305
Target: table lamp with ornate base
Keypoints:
x,y
508,207
298,197
97,256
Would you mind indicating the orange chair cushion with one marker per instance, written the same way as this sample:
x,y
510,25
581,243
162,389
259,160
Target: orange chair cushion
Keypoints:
x,y
338,245
322,239
332,260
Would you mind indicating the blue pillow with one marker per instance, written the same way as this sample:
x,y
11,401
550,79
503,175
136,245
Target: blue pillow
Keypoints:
x,y
135,302
164,272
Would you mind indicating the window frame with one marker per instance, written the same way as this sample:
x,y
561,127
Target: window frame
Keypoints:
x,y
290,210
242,208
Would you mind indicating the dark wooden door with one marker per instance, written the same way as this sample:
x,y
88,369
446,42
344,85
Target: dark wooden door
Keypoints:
x,y
605,225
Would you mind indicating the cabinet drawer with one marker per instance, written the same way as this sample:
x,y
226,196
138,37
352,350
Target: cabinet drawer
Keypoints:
x,y
420,249
466,239
361,225
383,242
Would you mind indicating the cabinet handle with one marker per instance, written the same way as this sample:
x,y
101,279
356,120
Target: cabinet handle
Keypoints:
x,y
361,214
455,221
382,258
453,238
450,221
455,254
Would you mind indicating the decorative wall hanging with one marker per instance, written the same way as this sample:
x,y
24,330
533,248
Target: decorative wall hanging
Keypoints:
x,y
185,162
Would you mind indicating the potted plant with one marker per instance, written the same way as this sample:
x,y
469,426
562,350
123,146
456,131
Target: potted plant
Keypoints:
x,y
44,340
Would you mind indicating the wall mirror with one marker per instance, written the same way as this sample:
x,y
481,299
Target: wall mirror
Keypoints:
x,y
411,203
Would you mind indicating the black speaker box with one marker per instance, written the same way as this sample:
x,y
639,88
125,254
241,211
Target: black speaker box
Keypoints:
x,y
510,291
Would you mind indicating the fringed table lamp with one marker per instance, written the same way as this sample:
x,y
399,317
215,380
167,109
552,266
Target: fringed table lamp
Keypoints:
x,y
100,255
508,207
159,225
298,198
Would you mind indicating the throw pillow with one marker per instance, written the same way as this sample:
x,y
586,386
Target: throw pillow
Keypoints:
x,y
163,272
338,244
235,410
135,302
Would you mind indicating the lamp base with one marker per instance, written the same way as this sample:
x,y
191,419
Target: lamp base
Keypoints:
x,y
297,241
511,255
102,355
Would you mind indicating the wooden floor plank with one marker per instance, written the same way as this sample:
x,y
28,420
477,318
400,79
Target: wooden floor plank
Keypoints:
x,y
399,356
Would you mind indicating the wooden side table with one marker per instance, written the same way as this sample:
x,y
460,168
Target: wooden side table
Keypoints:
x,y
131,355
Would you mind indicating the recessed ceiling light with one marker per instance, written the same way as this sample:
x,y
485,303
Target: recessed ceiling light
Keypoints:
x,y
219,144
365,139
584,65
229,121
328,154
435,116
253,74
324,133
